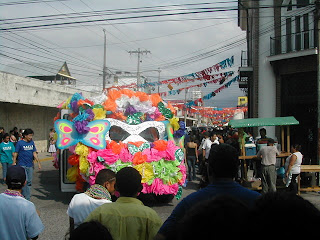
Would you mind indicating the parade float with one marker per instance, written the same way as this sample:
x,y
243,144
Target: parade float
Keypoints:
x,y
122,128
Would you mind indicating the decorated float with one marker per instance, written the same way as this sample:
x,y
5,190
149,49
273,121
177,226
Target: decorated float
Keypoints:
x,y
122,128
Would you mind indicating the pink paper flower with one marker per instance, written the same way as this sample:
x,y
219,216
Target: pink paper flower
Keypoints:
x,y
108,156
153,154
159,188
170,151
125,155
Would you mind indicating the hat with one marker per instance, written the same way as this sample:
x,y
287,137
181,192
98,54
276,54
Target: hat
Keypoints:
x,y
270,141
16,175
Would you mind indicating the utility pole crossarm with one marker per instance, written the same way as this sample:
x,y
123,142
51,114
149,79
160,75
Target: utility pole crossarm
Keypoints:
x,y
139,52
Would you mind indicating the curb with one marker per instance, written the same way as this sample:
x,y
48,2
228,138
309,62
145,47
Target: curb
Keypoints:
x,y
41,160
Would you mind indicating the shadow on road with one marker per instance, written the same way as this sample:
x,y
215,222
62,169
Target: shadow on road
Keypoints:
x,y
48,188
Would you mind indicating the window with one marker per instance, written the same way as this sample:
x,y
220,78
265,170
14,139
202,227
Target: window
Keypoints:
x,y
289,8
298,33
302,3
305,31
288,34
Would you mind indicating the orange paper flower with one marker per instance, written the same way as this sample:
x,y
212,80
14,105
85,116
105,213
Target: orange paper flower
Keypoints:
x,y
142,96
160,145
139,158
155,99
116,147
127,92
137,144
110,105
114,94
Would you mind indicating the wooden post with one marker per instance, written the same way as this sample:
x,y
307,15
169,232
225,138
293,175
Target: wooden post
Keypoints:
x,y
288,138
282,138
244,154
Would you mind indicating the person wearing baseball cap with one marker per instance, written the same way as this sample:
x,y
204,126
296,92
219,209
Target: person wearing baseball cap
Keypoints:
x,y
18,216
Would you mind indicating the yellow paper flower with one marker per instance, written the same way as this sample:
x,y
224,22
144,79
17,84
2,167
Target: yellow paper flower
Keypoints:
x,y
99,113
72,174
146,171
174,123
82,150
66,103
83,164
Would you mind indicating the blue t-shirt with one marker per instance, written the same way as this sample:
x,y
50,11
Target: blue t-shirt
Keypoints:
x,y
6,150
229,188
19,218
25,152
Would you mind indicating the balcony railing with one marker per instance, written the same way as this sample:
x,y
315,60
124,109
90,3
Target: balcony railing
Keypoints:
x,y
244,59
292,42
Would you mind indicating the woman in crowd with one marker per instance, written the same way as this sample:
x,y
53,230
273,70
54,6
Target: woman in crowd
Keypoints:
x,y
192,157
6,154
292,166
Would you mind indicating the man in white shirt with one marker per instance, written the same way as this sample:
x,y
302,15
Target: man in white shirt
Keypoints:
x,y
83,204
269,155
18,216
206,146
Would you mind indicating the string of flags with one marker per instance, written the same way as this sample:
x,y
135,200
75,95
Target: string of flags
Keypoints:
x,y
220,80
205,74
212,94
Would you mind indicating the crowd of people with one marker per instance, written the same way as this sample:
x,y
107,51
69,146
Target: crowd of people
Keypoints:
x,y
223,203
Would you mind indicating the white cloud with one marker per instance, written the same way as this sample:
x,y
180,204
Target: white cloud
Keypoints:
x,y
120,40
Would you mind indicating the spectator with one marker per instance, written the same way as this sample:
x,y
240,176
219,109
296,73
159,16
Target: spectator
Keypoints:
x,y
83,204
90,230
206,146
263,136
1,134
13,138
23,156
20,133
52,146
223,168
18,216
269,155
290,211
219,213
16,133
192,157
128,218
6,154
292,166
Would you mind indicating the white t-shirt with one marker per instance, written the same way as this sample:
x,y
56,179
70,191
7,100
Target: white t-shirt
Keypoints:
x,y
207,146
18,218
81,206
296,166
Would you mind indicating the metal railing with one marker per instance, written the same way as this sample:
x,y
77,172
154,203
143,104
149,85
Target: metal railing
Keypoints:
x,y
244,59
292,42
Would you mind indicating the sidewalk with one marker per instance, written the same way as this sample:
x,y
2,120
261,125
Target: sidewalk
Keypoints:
x,y
43,156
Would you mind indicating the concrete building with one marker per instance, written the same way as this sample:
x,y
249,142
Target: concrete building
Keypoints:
x,y
279,69
54,72
31,103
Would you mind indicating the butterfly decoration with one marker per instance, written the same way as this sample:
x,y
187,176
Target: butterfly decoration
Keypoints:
x,y
68,135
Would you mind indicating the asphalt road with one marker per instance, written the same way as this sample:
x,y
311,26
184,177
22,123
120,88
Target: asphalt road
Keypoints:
x,y
52,204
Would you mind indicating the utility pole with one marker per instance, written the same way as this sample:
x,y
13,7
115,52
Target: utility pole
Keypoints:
x,y
104,74
185,106
139,52
317,34
159,71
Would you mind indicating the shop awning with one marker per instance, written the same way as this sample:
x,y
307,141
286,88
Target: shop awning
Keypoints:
x,y
260,122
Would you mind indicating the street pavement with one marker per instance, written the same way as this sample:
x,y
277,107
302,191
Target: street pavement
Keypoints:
x,y
52,204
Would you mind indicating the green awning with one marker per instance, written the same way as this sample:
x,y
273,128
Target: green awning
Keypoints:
x,y
260,122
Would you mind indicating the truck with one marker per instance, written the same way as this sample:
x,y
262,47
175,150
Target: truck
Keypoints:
x,y
121,128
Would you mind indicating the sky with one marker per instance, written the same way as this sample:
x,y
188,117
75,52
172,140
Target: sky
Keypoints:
x,y
169,42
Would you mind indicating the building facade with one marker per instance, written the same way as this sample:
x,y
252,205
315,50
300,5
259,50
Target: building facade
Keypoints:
x,y
280,68
31,103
